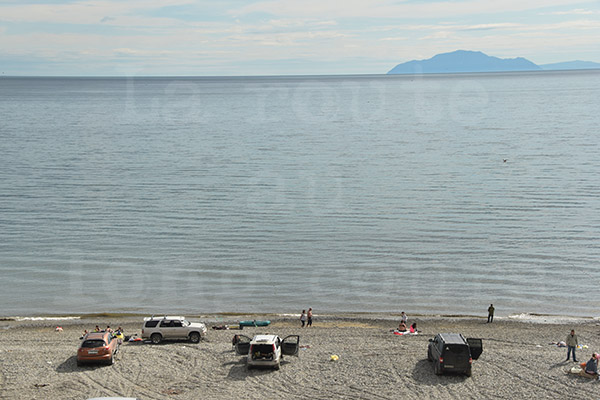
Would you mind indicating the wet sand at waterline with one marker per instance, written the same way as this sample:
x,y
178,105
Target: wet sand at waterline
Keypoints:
x,y
517,361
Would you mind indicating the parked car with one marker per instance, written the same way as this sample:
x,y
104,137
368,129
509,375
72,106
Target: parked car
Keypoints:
x,y
266,350
451,352
98,347
158,329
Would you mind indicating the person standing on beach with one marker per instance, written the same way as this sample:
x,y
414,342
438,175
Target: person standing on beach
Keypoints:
x,y
491,313
571,344
309,315
303,318
404,318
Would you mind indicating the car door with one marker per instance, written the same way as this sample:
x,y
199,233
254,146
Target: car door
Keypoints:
x,y
165,328
476,347
289,345
434,346
113,343
242,346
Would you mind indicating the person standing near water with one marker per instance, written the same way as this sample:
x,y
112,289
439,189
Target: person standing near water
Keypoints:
x,y
404,318
491,313
571,344
309,315
303,318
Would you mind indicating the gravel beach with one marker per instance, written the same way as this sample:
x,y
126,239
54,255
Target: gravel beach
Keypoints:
x,y
518,361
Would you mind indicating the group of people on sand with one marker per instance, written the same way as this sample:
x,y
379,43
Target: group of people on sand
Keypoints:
x,y
591,367
118,332
108,329
403,321
306,318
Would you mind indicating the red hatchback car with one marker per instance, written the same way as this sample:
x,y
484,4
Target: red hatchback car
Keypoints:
x,y
98,347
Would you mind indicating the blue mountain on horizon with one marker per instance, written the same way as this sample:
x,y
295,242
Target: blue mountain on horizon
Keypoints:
x,y
464,61
568,65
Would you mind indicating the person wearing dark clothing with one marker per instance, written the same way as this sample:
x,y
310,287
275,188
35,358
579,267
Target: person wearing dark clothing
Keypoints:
x,y
491,313
591,367
309,315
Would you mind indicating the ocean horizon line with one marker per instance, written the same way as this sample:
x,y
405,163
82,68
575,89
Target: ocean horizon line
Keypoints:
x,y
304,76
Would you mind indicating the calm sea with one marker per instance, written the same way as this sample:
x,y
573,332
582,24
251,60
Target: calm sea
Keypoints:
x,y
429,194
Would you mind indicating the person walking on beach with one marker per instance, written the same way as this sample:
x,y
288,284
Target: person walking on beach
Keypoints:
x,y
571,344
309,316
303,318
404,318
491,313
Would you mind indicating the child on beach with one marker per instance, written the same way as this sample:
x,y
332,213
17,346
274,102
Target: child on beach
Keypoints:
x,y
413,328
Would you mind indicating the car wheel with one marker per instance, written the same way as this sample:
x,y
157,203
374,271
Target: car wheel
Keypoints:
x,y
277,367
79,363
429,358
468,372
437,368
156,338
195,337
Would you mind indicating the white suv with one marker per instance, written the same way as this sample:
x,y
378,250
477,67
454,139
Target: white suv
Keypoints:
x,y
266,350
158,329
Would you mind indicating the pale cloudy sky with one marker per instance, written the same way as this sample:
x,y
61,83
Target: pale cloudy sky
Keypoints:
x,y
283,37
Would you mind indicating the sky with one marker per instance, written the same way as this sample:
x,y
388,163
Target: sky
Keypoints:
x,y
282,37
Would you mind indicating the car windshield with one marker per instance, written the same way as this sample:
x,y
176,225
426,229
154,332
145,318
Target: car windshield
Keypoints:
x,y
185,322
93,343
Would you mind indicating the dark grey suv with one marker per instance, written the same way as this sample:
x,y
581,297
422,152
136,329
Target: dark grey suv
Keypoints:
x,y
451,352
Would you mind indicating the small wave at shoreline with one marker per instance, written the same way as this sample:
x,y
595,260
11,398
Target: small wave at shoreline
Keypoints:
x,y
40,318
548,318
534,318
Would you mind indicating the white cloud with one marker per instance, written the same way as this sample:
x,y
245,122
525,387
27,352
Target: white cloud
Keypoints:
x,y
394,9
577,11
310,31
83,12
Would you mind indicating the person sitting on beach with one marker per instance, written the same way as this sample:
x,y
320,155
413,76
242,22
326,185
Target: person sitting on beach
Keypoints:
x,y
402,327
85,332
97,329
591,367
119,331
413,328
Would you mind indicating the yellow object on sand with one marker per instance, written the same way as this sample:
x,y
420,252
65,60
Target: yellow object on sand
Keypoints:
x,y
334,357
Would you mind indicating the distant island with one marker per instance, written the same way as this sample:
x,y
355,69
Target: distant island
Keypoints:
x,y
463,61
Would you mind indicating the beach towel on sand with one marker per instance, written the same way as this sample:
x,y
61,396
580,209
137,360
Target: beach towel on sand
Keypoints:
x,y
397,332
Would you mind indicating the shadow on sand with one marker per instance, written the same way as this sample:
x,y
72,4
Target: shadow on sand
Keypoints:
x,y
423,373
